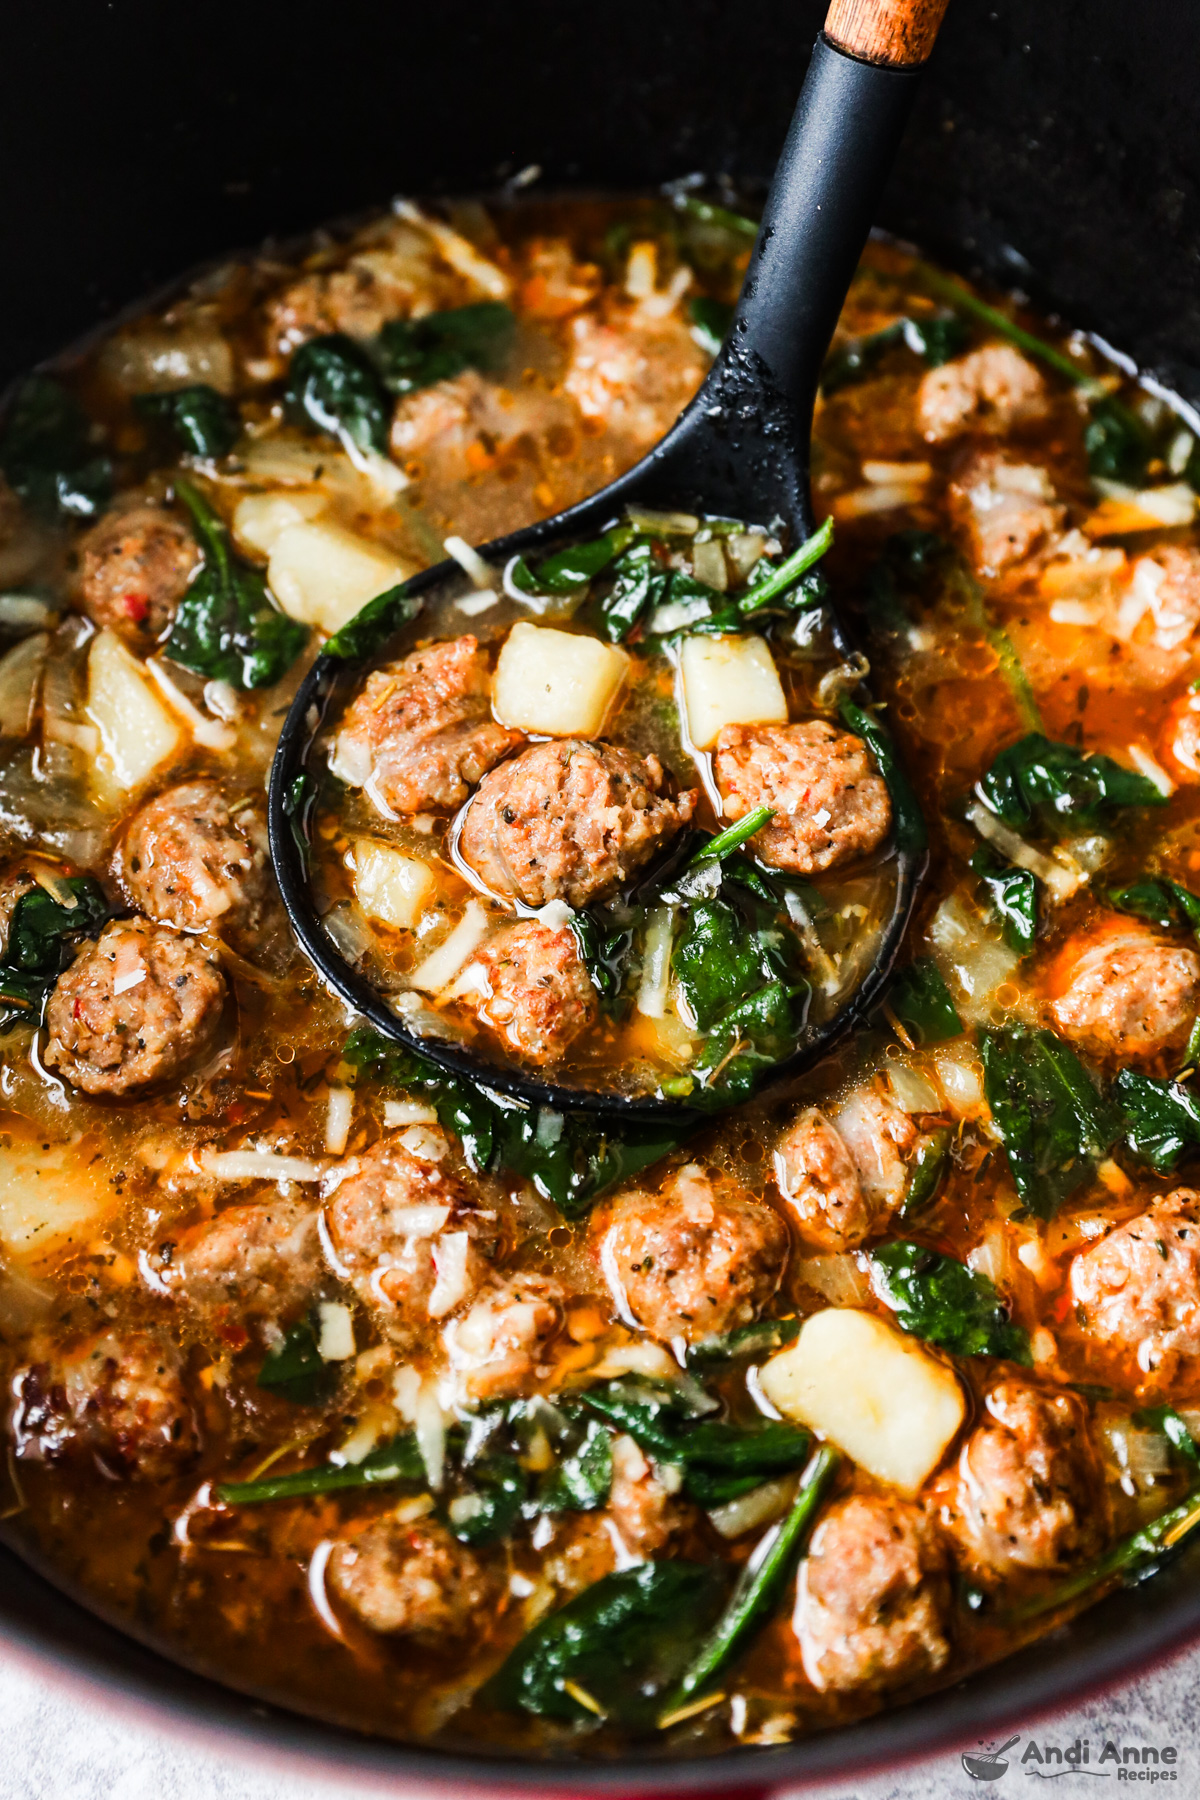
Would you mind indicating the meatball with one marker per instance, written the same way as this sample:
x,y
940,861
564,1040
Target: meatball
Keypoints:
x,y
118,1399
407,1234
829,804
873,1598
844,1178
411,1580
259,1259
533,990
1137,1292
134,568
1130,994
1007,508
420,734
634,373
1169,577
133,1008
645,1511
698,1258
188,860
498,1347
569,821
1181,739
1026,1492
988,391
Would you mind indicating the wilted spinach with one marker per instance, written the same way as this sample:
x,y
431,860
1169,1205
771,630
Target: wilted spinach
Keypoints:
x,y
296,1370
333,386
414,353
908,821
740,977
921,1001
1053,1123
397,1462
200,420
47,453
1162,1118
40,935
225,626
1160,901
927,1171
1037,783
946,1303
1013,898
747,1340
569,571
934,337
711,320
718,1460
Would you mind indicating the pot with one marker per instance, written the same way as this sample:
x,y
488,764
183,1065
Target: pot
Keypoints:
x,y
1053,148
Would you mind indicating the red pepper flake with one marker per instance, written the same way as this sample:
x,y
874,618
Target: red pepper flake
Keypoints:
x,y
76,1009
136,606
1062,1307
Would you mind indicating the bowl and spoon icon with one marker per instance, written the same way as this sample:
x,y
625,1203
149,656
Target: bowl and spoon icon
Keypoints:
x,y
988,1765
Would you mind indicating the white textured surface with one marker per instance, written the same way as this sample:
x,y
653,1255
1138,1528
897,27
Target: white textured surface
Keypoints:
x,y
55,1747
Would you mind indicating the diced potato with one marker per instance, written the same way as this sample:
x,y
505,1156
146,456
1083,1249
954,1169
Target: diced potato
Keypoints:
x,y
875,1393
138,730
157,358
729,681
48,1194
556,683
324,575
392,887
260,519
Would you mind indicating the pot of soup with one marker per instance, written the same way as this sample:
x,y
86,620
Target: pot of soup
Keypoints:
x,y
572,1384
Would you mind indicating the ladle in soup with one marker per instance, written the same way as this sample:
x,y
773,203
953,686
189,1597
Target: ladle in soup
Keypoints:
x,y
739,451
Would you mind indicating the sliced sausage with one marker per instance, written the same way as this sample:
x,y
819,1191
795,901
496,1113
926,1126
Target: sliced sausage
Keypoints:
x,y
134,568
116,1397
133,1008
845,1177
830,806
990,391
499,1345
1137,1292
569,821
1007,509
633,373
412,1580
1130,994
873,1599
699,1257
533,990
190,860
261,1259
646,1512
420,734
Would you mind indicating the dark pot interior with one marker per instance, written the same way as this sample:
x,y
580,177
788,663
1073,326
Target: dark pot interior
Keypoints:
x,y
1055,147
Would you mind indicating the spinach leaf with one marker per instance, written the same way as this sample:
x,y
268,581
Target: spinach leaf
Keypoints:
x,y
1117,443
946,1303
908,821
776,583
604,953
47,455
1134,1558
737,977
719,1461
747,1340
295,1370
935,338
374,623
1037,782
1160,901
718,959
396,1462
569,571
490,1505
333,386
582,1480
40,934
711,322
1162,1118
1013,897
725,842
921,1001
570,1158
760,1586
639,585
198,418
1052,1122
706,213
615,1649
414,353
225,626
927,1171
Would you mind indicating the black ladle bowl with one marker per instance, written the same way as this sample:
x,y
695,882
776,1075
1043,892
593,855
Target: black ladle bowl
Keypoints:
x,y
740,450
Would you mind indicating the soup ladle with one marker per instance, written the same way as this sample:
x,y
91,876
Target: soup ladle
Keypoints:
x,y
739,450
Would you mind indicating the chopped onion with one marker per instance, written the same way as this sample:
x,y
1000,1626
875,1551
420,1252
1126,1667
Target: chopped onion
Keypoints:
x,y
992,1257
20,676
442,965
1143,1457
908,474
1060,880
1153,771
1075,612
761,1506
671,524
209,732
429,1425
338,1115
972,956
423,1219
861,503
469,559
912,1089
960,1073
426,1145
473,604
408,1112
24,612
450,1266
348,930
839,1279
656,962
259,1165
336,1342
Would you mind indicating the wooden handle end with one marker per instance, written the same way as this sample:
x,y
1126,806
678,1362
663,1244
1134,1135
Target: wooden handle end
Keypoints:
x,y
898,32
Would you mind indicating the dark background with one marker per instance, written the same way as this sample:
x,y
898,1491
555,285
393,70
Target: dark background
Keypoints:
x,y
1057,142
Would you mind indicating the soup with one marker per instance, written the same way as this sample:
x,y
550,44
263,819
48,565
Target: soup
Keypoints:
x,y
382,1394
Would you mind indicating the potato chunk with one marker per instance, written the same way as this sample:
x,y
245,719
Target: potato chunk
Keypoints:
x,y
877,1394
392,887
49,1194
323,575
729,681
260,520
138,731
556,683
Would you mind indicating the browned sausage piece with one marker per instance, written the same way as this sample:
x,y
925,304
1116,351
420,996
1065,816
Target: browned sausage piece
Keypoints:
x,y
118,1398
569,821
990,391
1006,508
647,1514
407,1234
412,1580
844,1177
188,860
133,1008
134,568
1131,994
1137,1292
829,804
499,1345
1026,1492
873,1600
421,734
534,990
699,1257
262,1259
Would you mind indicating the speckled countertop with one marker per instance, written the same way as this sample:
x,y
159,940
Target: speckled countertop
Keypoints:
x,y
55,1746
